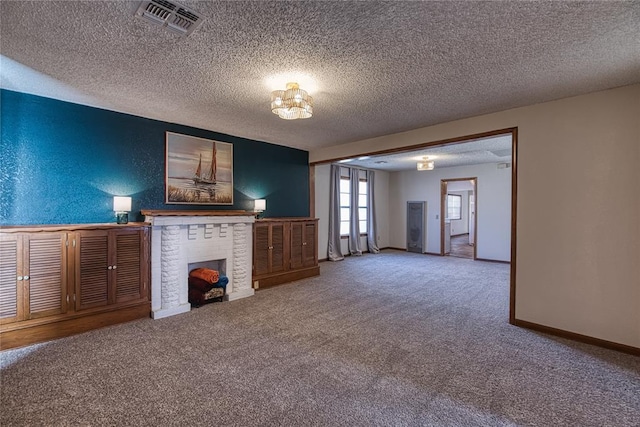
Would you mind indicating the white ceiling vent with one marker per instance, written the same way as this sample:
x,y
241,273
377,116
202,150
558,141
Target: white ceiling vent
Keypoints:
x,y
172,15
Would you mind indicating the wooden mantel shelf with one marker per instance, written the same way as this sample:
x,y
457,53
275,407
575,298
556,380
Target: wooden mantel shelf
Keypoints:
x,y
159,212
67,227
289,219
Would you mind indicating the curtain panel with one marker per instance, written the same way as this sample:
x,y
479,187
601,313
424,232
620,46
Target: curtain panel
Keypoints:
x,y
334,253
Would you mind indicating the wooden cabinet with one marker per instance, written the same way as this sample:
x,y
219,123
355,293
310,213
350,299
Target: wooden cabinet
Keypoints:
x,y
269,248
60,280
284,249
33,280
109,267
304,246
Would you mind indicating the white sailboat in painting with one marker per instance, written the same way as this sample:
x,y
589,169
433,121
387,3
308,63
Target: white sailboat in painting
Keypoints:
x,y
209,178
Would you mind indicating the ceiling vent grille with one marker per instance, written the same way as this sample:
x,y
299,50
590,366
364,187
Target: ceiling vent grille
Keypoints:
x,y
171,15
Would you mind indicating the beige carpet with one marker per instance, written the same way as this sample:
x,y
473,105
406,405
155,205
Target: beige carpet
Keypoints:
x,y
395,339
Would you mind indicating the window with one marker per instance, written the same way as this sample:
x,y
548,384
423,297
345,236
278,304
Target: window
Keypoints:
x,y
362,205
345,202
345,206
454,206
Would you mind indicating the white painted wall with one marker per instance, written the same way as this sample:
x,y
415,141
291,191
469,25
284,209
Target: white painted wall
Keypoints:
x,y
493,206
322,176
578,234
382,207
381,195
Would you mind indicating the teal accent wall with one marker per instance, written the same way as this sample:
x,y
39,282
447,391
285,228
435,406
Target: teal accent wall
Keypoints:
x,y
62,163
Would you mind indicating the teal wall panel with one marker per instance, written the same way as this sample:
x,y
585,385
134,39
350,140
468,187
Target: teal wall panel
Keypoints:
x,y
62,163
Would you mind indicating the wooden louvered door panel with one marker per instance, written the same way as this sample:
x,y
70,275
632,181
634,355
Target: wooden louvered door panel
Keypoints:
x,y
57,280
297,241
285,249
92,269
11,289
46,286
261,249
278,240
310,246
128,266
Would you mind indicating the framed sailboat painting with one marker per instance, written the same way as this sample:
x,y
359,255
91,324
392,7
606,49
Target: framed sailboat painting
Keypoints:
x,y
198,171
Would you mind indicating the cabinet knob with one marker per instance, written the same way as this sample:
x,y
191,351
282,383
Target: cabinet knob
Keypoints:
x,y
109,268
115,266
19,278
26,277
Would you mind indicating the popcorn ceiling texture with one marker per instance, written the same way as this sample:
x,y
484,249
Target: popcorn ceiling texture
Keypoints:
x,y
378,67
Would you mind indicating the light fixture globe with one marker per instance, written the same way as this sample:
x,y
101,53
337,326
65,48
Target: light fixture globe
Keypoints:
x,y
292,103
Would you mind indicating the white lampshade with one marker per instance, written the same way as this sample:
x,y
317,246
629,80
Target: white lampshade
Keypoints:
x,y
121,204
260,205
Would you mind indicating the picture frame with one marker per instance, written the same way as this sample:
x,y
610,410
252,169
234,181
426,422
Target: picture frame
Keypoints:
x,y
198,171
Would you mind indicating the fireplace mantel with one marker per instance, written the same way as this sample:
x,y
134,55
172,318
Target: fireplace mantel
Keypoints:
x,y
161,212
181,237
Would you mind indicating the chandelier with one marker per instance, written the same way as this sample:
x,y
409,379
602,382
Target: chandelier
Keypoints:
x,y
425,164
292,103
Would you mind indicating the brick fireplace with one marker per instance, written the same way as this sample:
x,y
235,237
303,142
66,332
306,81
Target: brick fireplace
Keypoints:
x,y
180,238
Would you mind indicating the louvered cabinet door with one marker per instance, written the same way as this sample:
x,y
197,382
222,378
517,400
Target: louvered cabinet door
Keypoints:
x,y
297,242
92,269
310,245
46,276
278,240
128,282
11,283
261,249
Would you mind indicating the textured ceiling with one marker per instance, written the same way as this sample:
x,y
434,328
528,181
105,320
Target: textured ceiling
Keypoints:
x,y
495,149
373,68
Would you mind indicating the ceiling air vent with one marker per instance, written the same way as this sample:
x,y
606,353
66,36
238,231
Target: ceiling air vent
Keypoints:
x,y
171,15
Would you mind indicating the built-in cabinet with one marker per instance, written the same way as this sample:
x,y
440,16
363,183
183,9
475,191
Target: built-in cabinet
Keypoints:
x,y
109,268
33,276
284,250
269,248
60,280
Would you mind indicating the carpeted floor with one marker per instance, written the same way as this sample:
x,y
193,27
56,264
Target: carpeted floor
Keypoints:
x,y
395,339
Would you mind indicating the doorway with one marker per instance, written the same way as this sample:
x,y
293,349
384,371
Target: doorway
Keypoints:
x,y
458,217
378,157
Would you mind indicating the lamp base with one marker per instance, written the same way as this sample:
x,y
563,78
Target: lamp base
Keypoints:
x,y
122,217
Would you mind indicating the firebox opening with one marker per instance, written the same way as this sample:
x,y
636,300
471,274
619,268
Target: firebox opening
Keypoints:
x,y
220,265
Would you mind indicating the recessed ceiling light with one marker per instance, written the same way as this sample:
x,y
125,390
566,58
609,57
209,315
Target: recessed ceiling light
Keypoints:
x,y
345,161
364,158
